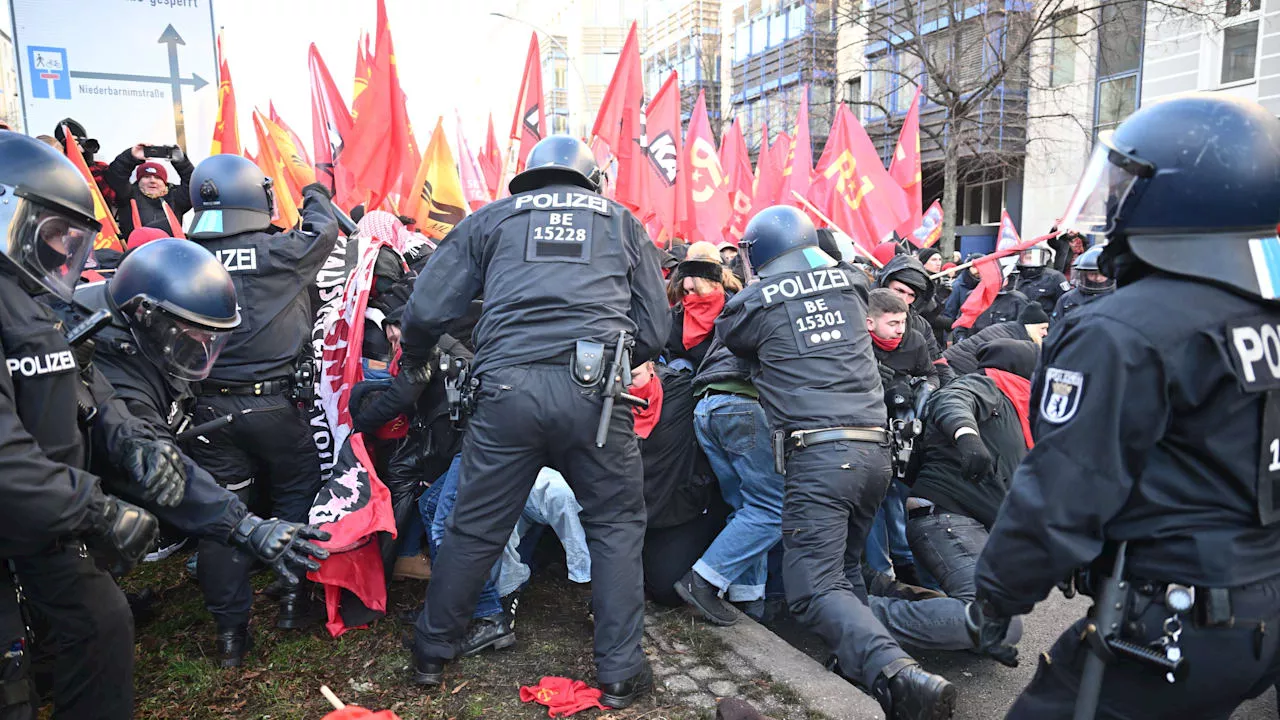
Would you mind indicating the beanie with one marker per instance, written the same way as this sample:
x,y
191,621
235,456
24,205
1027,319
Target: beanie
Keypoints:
x,y
1033,314
153,169
925,253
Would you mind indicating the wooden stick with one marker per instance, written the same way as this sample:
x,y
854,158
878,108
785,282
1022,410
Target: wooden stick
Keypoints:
x,y
333,699
874,260
990,256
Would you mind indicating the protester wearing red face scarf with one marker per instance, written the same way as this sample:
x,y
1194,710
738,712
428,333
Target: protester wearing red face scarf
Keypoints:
x,y
901,351
697,290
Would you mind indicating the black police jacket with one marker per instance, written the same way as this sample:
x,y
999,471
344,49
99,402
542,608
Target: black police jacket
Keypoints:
x,y
555,265
272,273
1153,427
972,401
207,510
48,493
1044,286
1071,300
1005,308
807,332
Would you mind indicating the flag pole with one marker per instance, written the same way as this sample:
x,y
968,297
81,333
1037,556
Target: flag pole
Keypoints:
x,y
993,256
804,201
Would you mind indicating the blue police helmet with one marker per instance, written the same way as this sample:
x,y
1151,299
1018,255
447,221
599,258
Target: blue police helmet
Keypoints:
x,y
179,302
230,196
559,159
782,239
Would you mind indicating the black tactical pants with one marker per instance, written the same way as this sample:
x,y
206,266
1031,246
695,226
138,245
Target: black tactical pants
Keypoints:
x,y
85,624
832,493
268,454
1225,667
527,417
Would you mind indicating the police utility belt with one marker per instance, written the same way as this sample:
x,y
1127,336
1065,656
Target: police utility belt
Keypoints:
x,y
274,386
785,442
591,367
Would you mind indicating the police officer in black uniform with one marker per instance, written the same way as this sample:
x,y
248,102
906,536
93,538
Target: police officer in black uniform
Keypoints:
x,y
1159,429
1088,284
557,264
255,371
53,508
1036,279
804,323
172,307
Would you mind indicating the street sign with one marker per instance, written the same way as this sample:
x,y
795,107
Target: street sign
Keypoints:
x,y
130,71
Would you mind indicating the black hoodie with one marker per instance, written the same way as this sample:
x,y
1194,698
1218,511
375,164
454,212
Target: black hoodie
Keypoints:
x,y
907,270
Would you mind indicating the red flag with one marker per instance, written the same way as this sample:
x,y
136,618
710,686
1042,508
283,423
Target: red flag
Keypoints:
x,y
375,152
529,124
905,167
702,181
662,130
297,141
859,195
364,59
797,173
1007,236
618,123
737,165
768,175
930,227
491,162
470,174
981,297
330,127
780,148
226,130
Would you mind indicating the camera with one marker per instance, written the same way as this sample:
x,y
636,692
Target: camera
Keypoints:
x,y
159,151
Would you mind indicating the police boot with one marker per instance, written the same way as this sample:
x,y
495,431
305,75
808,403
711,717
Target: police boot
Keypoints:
x,y
487,633
705,598
622,694
427,671
233,644
913,693
296,608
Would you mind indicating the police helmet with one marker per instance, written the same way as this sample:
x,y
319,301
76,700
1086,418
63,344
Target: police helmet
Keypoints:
x,y
1036,256
230,196
1191,186
179,303
46,212
1086,264
559,159
782,239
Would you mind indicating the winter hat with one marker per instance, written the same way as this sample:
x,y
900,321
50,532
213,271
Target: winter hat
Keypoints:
x,y
1033,314
925,253
948,266
1015,356
153,169
143,235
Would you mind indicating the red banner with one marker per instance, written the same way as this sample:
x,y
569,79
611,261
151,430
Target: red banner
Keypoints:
x,y
702,180
529,124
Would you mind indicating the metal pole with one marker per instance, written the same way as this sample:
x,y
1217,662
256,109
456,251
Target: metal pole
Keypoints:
x,y
586,94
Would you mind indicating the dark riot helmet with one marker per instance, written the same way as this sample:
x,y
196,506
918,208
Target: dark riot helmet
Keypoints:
x,y
1088,262
782,239
558,160
230,196
46,213
1190,186
179,302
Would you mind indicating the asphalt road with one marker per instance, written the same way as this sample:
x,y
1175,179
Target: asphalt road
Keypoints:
x,y
987,689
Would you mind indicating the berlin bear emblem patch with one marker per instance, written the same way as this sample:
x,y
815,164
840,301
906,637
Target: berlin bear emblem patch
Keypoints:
x,y
1061,396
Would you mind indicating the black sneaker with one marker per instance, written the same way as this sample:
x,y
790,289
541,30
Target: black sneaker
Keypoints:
x,y
705,598
510,604
487,633
891,587
622,694
914,693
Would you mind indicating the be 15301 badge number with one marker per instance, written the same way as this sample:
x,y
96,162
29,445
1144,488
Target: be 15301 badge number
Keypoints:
x,y
1061,395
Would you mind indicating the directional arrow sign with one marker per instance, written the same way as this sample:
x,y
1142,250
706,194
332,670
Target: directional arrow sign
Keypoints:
x,y
195,80
171,38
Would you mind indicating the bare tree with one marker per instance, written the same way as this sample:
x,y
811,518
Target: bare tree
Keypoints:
x,y
973,59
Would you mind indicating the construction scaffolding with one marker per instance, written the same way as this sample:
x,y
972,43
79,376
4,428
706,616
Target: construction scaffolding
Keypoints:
x,y
687,41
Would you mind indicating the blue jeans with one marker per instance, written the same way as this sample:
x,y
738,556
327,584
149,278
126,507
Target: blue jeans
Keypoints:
x,y
734,434
435,505
887,540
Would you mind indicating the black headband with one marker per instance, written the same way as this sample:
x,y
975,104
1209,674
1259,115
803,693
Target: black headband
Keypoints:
x,y
704,269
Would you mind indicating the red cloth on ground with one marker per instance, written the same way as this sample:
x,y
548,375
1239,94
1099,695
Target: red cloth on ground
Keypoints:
x,y
700,313
1018,390
647,418
562,696
886,345
355,712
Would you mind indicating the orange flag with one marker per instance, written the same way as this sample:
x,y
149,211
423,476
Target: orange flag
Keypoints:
x,y
529,124
618,123
439,202
702,181
273,166
363,70
298,169
293,136
798,171
736,162
905,167
377,150
226,130
109,236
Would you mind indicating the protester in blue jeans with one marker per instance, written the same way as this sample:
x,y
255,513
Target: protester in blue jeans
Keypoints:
x,y
551,503
734,434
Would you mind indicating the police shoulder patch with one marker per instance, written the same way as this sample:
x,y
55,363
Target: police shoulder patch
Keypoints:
x,y
1061,395
1065,285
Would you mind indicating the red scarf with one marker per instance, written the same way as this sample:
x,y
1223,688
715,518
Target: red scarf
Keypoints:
x,y
647,418
175,226
700,313
397,427
886,345
1018,390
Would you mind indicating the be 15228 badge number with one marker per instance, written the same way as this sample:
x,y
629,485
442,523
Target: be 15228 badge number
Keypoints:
x,y
1061,395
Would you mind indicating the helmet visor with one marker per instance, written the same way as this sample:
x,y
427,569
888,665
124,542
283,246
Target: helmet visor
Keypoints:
x,y
48,246
181,349
1100,194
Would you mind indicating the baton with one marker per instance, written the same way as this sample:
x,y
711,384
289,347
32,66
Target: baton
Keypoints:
x,y
220,422
1105,623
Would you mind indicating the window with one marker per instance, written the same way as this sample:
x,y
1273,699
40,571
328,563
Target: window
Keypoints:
x,y
878,88
982,203
1236,7
742,43
853,91
559,76
759,35
1120,38
1117,99
777,30
1062,50
1239,52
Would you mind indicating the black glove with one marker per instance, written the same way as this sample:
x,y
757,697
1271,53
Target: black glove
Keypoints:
x,y
318,187
121,532
975,460
417,369
886,375
156,468
987,629
285,546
